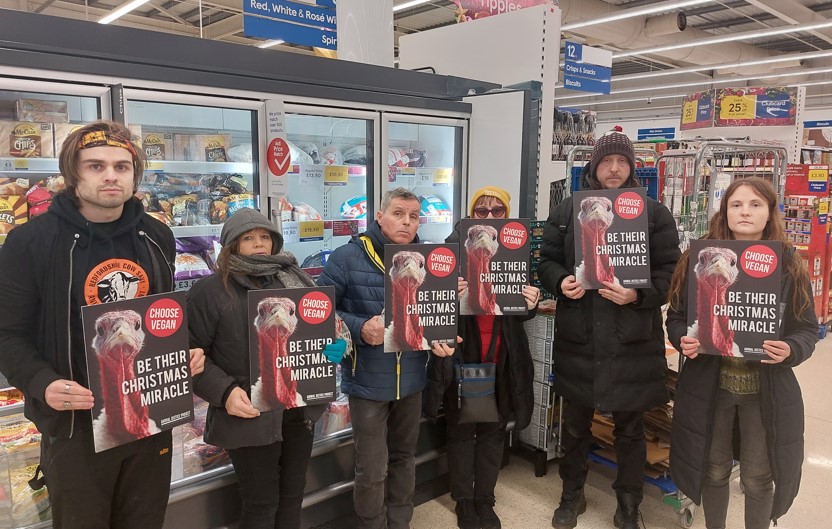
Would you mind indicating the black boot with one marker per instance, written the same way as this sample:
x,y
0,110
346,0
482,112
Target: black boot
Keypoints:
x,y
571,505
466,514
485,510
627,514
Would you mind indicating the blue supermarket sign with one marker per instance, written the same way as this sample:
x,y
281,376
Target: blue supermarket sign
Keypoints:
x,y
295,23
587,69
817,124
666,133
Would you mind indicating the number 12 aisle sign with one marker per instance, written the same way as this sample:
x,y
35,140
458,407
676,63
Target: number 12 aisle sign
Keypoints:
x,y
586,69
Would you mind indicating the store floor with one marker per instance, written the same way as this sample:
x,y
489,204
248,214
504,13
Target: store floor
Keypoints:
x,y
527,502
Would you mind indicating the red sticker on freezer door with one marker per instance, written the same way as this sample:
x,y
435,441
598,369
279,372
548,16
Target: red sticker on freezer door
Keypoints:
x,y
278,156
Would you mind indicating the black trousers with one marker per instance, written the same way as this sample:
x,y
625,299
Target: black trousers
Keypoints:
x,y
272,477
125,487
630,449
475,451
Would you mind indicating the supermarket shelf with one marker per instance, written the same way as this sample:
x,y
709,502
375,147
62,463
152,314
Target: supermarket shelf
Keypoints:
x,y
439,219
199,167
196,231
33,165
749,169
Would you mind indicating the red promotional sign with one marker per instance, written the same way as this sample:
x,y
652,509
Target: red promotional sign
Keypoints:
x,y
278,156
441,262
629,205
164,317
468,10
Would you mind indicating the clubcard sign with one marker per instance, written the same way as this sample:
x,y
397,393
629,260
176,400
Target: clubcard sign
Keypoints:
x,y
138,367
420,292
733,298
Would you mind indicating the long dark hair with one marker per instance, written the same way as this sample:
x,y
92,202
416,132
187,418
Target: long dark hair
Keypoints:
x,y
224,270
773,231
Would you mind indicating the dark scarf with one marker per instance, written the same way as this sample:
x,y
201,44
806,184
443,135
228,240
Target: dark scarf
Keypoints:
x,y
283,265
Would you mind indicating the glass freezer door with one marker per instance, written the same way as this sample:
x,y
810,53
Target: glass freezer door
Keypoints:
x,y
425,155
329,182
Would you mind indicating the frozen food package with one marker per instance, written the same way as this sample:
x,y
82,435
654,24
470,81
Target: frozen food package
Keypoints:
x,y
355,155
157,145
13,212
354,208
240,153
332,156
298,155
42,110
243,200
14,186
284,208
61,131
416,158
38,199
190,266
301,211
397,157
433,206
26,140
209,147
311,149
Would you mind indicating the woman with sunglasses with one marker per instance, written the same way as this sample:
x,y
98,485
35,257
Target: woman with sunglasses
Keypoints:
x,y
475,450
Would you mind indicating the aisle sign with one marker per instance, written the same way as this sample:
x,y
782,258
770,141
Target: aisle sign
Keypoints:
x,y
587,69
663,133
277,157
756,106
697,111
293,22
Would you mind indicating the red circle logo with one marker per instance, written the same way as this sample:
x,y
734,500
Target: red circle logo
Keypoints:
x,y
315,308
163,318
629,205
513,235
758,261
278,156
441,262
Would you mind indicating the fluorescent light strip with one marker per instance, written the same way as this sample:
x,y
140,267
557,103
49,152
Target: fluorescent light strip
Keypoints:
x,y
270,43
618,101
408,5
809,71
123,10
630,13
726,38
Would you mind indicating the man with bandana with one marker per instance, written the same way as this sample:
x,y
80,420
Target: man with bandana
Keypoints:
x,y
94,244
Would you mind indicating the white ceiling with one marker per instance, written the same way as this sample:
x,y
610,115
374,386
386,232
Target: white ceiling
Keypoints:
x,y
222,20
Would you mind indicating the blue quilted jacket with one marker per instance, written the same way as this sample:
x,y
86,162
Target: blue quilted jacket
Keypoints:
x,y
359,293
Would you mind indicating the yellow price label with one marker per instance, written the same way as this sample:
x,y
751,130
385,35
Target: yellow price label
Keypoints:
x,y
311,229
442,177
823,208
336,175
738,107
155,166
21,164
689,110
818,175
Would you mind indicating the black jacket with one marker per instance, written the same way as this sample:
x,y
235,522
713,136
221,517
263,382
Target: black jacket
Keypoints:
x,y
608,356
38,264
515,368
221,328
781,404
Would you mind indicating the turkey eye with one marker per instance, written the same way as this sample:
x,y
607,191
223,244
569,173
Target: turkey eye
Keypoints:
x,y
609,208
421,264
292,312
138,325
99,330
262,312
701,259
733,262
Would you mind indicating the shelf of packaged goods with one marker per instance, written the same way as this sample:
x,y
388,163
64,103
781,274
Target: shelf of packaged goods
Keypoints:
x,y
429,176
352,170
309,230
29,165
816,148
169,166
196,231
745,169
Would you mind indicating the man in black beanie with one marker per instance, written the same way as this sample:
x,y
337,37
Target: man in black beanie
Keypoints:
x,y
609,343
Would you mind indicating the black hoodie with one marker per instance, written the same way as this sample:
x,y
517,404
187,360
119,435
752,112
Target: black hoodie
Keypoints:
x,y
49,268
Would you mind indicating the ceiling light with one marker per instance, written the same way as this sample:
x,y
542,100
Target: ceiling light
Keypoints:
x,y
270,43
726,38
412,3
630,13
123,10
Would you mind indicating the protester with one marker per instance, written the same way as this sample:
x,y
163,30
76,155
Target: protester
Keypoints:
x,y
716,393
48,268
609,352
475,450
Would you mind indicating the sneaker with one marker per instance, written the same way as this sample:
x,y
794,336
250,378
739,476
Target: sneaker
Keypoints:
x,y
488,518
571,506
466,515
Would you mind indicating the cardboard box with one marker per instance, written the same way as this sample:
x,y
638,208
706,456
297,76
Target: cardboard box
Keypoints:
x,y
42,111
26,140
14,186
13,212
157,145
202,147
62,130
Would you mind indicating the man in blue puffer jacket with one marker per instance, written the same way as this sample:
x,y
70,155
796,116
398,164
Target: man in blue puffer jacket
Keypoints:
x,y
385,389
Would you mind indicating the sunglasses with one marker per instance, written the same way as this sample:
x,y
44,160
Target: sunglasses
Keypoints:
x,y
496,211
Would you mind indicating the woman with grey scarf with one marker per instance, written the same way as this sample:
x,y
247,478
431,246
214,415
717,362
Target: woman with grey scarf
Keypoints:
x,y
269,450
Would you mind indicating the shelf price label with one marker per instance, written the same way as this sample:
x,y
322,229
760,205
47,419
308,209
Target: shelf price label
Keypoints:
x,y
818,176
311,230
689,111
154,165
424,176
290,232
737,107
312,176
21,164
442,177
336,175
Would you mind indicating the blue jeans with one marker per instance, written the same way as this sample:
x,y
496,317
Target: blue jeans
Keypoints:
x,y
755,472
385,434
272,477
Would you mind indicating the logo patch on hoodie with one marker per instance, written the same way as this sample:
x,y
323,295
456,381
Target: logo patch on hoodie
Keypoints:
x,y
115,280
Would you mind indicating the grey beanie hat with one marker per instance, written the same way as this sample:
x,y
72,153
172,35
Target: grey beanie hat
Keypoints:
x,y
246,219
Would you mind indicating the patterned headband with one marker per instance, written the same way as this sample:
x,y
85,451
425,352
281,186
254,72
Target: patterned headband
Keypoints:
x,y
100,138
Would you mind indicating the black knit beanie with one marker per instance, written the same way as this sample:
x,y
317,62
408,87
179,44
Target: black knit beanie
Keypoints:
x,y
612,142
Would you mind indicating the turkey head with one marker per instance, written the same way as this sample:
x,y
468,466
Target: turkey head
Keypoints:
x,y
481,245
595,218
275,322
716,270
407,275
118,340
